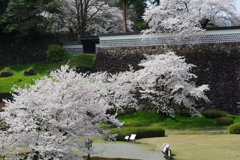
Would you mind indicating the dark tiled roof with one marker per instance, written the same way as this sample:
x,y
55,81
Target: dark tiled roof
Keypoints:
x,y
88,38
120,34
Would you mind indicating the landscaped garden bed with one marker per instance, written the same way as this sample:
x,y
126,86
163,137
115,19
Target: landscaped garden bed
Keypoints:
x,y
18,73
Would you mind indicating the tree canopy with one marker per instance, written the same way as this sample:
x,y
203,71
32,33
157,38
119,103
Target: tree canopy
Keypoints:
x,y
91,17
24,19
190,17
166,82
55,116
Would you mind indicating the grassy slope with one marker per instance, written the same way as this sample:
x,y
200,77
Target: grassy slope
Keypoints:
x,y
41,68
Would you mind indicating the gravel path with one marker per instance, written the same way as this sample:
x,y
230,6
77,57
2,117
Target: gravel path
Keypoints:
x,y
126,150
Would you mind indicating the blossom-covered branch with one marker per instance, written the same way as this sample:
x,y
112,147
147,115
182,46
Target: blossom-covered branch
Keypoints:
x,y
186,18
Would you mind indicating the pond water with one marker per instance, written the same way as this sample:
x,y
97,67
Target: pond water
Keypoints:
x,y
126,151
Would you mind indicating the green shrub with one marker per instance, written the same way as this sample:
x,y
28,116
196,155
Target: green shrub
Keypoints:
x,y
234,128
214,113
142,132
55,53
184,113
224,121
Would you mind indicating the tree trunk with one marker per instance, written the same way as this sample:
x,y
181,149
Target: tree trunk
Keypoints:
x,y
204,23
124,16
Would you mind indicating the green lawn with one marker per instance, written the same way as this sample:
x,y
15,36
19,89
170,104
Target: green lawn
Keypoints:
x,y
199,146
41,68
147,118
189,138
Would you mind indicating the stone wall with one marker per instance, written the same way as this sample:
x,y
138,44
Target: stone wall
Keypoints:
x,y
73,50
217,65
114,60
24,52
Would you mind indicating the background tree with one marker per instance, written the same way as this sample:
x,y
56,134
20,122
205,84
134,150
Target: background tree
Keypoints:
x,y
87,16
138,7
107,22
124,8
24,19
189,17
3,6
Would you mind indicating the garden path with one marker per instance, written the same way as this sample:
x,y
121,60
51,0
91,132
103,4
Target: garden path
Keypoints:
x,y
126,150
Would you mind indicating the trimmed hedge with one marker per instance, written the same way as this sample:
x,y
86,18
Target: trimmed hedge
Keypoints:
x,y
234,128
55,53
142,132
224,121
214,113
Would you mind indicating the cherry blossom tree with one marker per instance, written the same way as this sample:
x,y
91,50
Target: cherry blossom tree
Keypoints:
x,y
189,17
166,82
109,21
53,117
87,17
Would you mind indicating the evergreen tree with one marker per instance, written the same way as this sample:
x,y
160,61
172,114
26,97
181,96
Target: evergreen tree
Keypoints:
x,y
25,18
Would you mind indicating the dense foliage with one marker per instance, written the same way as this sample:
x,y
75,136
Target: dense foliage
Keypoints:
x,y
23,19
55,53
